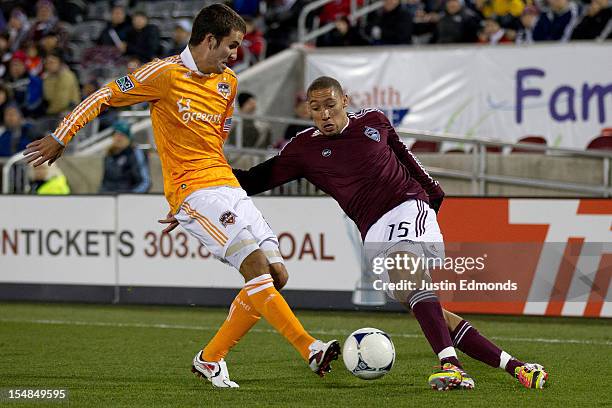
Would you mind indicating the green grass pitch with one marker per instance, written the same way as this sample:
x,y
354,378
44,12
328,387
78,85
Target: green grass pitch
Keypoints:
x,y
140,356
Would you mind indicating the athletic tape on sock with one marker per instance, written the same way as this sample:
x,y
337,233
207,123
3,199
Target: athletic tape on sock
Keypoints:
x,y
503,359
447,352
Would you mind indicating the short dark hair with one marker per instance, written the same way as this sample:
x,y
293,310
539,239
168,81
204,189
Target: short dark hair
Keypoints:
x,y
243,98
218,20
324,82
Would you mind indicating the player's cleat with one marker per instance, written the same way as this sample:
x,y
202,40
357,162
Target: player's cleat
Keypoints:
x,y
321,356
215,372
450,377
531,375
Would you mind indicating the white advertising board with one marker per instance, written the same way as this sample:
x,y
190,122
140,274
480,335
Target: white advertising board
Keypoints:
x,y
562,92
60,240
312,233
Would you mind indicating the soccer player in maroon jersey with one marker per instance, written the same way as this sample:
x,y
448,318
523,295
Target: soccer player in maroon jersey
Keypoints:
x,y
359,160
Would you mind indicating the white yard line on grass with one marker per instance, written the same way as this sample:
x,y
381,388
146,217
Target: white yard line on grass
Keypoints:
x,y
256,330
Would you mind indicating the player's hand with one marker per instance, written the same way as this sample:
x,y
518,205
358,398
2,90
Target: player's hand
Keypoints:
x,y
171,221
436,203
43,150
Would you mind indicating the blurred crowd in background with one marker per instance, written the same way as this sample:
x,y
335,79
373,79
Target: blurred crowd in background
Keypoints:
x,y
55,53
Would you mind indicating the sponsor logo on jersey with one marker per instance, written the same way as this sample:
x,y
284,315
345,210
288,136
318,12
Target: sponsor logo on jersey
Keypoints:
x,y
183,104
326,152
372,133
224,89
227,218
188,114
124,83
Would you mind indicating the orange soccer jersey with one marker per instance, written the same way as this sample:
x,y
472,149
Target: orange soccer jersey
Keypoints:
x,y
191,114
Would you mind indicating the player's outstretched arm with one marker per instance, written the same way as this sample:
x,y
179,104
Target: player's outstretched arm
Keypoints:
x,y
272,173
47,149
128,90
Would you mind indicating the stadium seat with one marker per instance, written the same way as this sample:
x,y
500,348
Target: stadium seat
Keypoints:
x,y
602,142
98,10
87,31
159,9
530,140
422,146
187,8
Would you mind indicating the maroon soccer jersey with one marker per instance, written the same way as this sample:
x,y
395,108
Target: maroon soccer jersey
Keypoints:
x,y
366,168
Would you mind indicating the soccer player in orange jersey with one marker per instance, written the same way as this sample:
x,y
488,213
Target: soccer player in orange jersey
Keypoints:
x,y
191,98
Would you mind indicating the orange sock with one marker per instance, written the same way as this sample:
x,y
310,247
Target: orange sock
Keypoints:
x,y
241,317
271,304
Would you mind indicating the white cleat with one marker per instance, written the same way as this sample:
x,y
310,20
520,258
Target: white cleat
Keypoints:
x,y
321,356
214,371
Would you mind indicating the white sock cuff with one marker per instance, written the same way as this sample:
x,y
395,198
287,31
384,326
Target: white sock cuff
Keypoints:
x,y
503,359
258,284
447,352
258,279
418,296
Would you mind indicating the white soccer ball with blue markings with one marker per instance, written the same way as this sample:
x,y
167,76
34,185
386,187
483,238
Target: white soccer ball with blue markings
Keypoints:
x,y
368,353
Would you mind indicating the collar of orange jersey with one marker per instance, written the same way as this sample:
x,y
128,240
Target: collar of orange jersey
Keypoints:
x,y
189,62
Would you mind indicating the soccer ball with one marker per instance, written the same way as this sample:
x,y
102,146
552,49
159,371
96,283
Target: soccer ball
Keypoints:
x,y
368,353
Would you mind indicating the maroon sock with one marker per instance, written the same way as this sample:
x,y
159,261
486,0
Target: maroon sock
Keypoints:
x,y
467,339
453,360
428,312
512,364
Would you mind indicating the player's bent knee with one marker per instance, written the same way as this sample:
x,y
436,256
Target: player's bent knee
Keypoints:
x,y
279,274
451,319
254,265
409,275
246,256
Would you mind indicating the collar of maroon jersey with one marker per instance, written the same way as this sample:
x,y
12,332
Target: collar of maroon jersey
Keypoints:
x,y
318,132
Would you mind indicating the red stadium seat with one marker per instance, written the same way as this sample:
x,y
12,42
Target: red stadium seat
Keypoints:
x,y
422,146
606,132
530,140
601,143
